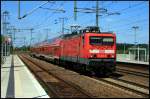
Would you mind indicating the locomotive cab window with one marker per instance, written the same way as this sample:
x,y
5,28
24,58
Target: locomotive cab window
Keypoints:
x,y
96,40
108,40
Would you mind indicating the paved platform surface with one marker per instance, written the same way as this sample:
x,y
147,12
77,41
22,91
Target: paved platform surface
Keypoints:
x,y
18,82
132,61
126,58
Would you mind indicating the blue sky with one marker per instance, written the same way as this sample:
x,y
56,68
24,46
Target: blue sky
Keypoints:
x,y
132,13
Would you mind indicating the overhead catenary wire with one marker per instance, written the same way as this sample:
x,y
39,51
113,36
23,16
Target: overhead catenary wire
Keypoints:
x,y
30,12
124,9
45,23
130,7
128,18
46,14
46,19
127,8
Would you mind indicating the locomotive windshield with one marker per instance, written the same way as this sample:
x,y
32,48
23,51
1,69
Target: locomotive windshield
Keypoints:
x,y
96,40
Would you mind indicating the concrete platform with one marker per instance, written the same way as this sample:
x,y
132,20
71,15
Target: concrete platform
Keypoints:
x,y
18,82
5,72
126,58
133,62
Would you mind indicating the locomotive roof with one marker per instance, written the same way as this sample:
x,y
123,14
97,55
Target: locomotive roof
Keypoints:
x,y
47,41
78,34
88,29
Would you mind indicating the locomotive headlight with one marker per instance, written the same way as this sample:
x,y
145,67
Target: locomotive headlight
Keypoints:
x,y
93,56
110,56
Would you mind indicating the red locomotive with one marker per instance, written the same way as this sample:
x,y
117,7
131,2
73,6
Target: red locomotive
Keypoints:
x,y
91,49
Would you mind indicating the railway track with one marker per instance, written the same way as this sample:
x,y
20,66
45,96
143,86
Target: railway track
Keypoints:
x,y
132,83
126,85
56,87
137,73
132,86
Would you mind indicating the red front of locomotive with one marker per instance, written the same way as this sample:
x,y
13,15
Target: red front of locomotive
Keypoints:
x,y
100,46
100,50
96,50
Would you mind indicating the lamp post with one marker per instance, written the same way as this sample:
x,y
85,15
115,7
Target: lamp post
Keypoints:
x,y
135,42
135,30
